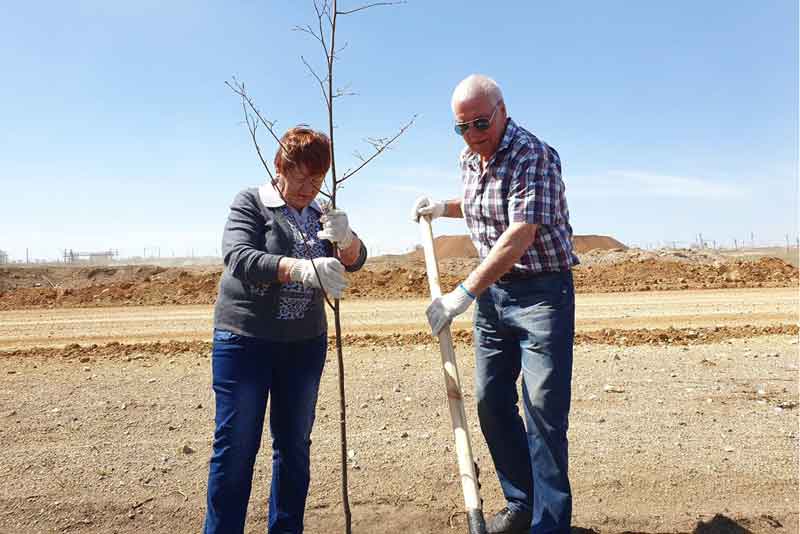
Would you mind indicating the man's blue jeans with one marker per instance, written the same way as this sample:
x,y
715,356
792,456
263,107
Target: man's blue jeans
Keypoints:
x,y
246,372
528,326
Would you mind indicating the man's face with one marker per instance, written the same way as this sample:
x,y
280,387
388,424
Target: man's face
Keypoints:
x,y
482,142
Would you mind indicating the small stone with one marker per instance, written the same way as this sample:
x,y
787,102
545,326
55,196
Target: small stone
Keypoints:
x,y
613,389
186,449
404,434
85,359
729,449
397,388
199,407
407,399
351,454
12,413
151,381
379,397
364,405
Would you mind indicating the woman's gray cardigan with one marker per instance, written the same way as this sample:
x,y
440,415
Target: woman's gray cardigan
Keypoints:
x,y
256,237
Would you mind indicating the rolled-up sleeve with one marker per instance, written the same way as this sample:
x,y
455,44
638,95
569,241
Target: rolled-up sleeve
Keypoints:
x,y
536,189
359,263
242,240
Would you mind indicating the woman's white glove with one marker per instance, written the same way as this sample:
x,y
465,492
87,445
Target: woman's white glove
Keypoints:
x,y
445,308
425,207
336,228
331,274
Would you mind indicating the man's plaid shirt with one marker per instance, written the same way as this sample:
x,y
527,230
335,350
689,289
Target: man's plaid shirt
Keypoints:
x,y
521,183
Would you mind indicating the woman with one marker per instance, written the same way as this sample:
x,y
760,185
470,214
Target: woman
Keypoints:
x,y
270,332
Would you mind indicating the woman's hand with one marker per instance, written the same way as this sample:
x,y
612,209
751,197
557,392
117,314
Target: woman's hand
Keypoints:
x,y
336,228
330,271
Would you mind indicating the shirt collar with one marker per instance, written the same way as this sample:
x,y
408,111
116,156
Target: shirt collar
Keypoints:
x,y
271,198
508,136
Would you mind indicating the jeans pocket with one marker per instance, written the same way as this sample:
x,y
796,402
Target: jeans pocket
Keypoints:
x,y
225,336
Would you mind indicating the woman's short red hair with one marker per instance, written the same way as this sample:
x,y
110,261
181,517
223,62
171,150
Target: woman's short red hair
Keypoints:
x,y
302,146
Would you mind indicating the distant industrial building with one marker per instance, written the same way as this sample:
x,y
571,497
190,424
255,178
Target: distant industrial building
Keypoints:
x,y
3,257
102,257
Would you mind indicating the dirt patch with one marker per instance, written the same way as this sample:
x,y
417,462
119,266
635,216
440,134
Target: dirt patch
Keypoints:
x,y
665,438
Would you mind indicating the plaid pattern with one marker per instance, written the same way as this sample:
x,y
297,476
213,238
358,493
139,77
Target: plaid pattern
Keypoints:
x,y
521,183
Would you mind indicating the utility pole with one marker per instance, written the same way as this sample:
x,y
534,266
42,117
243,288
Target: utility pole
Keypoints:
x,y
27,256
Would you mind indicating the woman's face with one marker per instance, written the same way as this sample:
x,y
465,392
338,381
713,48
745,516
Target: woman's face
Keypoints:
x,y
298,187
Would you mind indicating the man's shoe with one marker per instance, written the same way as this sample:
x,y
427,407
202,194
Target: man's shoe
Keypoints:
x,y
507,522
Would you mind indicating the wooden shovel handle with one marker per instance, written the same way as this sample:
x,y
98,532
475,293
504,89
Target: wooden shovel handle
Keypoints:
x,y
455,401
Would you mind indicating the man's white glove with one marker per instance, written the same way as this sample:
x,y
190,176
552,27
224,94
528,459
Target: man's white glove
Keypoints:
x,y
425,207
331,273
336,228
445,308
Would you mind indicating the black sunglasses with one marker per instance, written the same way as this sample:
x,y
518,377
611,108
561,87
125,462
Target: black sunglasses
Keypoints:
x,y
480,124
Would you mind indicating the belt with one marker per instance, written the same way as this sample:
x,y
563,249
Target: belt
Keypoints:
x,y
516,276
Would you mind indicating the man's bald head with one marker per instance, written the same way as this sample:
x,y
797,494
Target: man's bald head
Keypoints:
x,y
476,86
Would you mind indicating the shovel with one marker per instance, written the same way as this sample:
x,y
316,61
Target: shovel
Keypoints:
x,y
466,465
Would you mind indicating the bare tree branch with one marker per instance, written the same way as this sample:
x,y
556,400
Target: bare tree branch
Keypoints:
x,y
320,81
380,145
307,29
341,49
343,91
251,127
376,4
321,13
239,88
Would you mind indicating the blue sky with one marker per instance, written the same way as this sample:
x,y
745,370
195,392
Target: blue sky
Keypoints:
x,y
671,118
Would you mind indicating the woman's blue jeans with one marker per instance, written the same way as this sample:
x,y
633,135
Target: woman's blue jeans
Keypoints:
x,y
246,372
528,326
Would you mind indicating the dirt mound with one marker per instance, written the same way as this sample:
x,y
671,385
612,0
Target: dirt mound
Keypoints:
x,y
585,243
446,246
114,287
659,274
460,246
615,271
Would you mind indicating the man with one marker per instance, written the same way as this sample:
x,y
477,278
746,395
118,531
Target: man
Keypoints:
x,y
516,212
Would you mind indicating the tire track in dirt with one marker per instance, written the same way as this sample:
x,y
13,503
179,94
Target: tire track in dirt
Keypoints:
x,y
606,336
